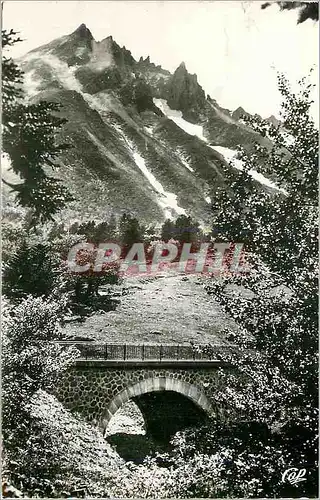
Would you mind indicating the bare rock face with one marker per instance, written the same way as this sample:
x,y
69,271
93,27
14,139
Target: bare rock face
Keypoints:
x,y
184,92
83,33
240,113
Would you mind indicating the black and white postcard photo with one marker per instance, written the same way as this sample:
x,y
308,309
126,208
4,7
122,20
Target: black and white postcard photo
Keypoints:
x,y
159,285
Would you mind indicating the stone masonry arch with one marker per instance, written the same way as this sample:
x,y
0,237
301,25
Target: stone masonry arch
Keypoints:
x,y
167,392
156,384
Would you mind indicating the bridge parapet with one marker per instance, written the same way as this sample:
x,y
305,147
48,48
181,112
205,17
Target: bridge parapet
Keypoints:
x,y
145,352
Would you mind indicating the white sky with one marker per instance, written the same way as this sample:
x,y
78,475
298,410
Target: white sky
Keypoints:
x,y
234,47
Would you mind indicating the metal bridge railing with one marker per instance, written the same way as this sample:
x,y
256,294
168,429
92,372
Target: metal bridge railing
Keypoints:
x,y
144,352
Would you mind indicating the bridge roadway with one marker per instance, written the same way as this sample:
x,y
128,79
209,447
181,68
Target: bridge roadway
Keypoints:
x,y
173,385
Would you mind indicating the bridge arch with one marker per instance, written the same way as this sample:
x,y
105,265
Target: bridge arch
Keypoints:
x,y
156,385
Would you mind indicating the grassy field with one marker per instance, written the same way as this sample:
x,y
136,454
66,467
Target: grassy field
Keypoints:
x,y
167,308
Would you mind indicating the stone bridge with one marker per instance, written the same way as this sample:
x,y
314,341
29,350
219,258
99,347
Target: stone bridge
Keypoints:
x,y
173,385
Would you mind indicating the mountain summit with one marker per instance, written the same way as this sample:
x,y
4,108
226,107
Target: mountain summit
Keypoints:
x,y
145,141
83,32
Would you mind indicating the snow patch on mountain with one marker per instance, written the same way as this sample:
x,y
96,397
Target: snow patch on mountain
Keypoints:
x,y
176,117
208,200
167,201
186,165
100,102
230,155
184,161
149,130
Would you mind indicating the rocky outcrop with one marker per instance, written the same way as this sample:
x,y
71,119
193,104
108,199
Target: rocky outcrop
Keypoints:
x,y
184,93
240,113
83,33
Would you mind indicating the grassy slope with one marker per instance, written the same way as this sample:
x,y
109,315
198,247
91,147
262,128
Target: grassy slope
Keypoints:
x,y
160,309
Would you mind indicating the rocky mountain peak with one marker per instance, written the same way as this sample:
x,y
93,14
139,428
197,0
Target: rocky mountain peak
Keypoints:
x,y
182,70
182,67
74,48
185,93
240,113
83,33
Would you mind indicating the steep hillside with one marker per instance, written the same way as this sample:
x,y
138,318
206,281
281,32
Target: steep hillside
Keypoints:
x,y
129,153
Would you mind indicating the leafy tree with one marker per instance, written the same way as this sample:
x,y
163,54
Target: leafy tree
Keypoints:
x,y
74,228
88,229
167,230
83,288
186,230
130,231
32,270
12,76
32,361
102,233
98,232
151,233
57,230
38,268
113,227
13,236
278,320
307,10
29,138
218,461
232,460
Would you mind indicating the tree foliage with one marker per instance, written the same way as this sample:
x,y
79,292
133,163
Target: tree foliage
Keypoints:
x,y
234,460
32,270
130,231
184,229
38,267
29,138
307,10
32,360
278,318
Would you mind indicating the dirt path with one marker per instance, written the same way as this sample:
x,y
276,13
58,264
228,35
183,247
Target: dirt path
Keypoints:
x,y
161,309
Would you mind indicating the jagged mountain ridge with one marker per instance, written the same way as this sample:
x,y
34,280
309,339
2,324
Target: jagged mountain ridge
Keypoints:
x,y
127,155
